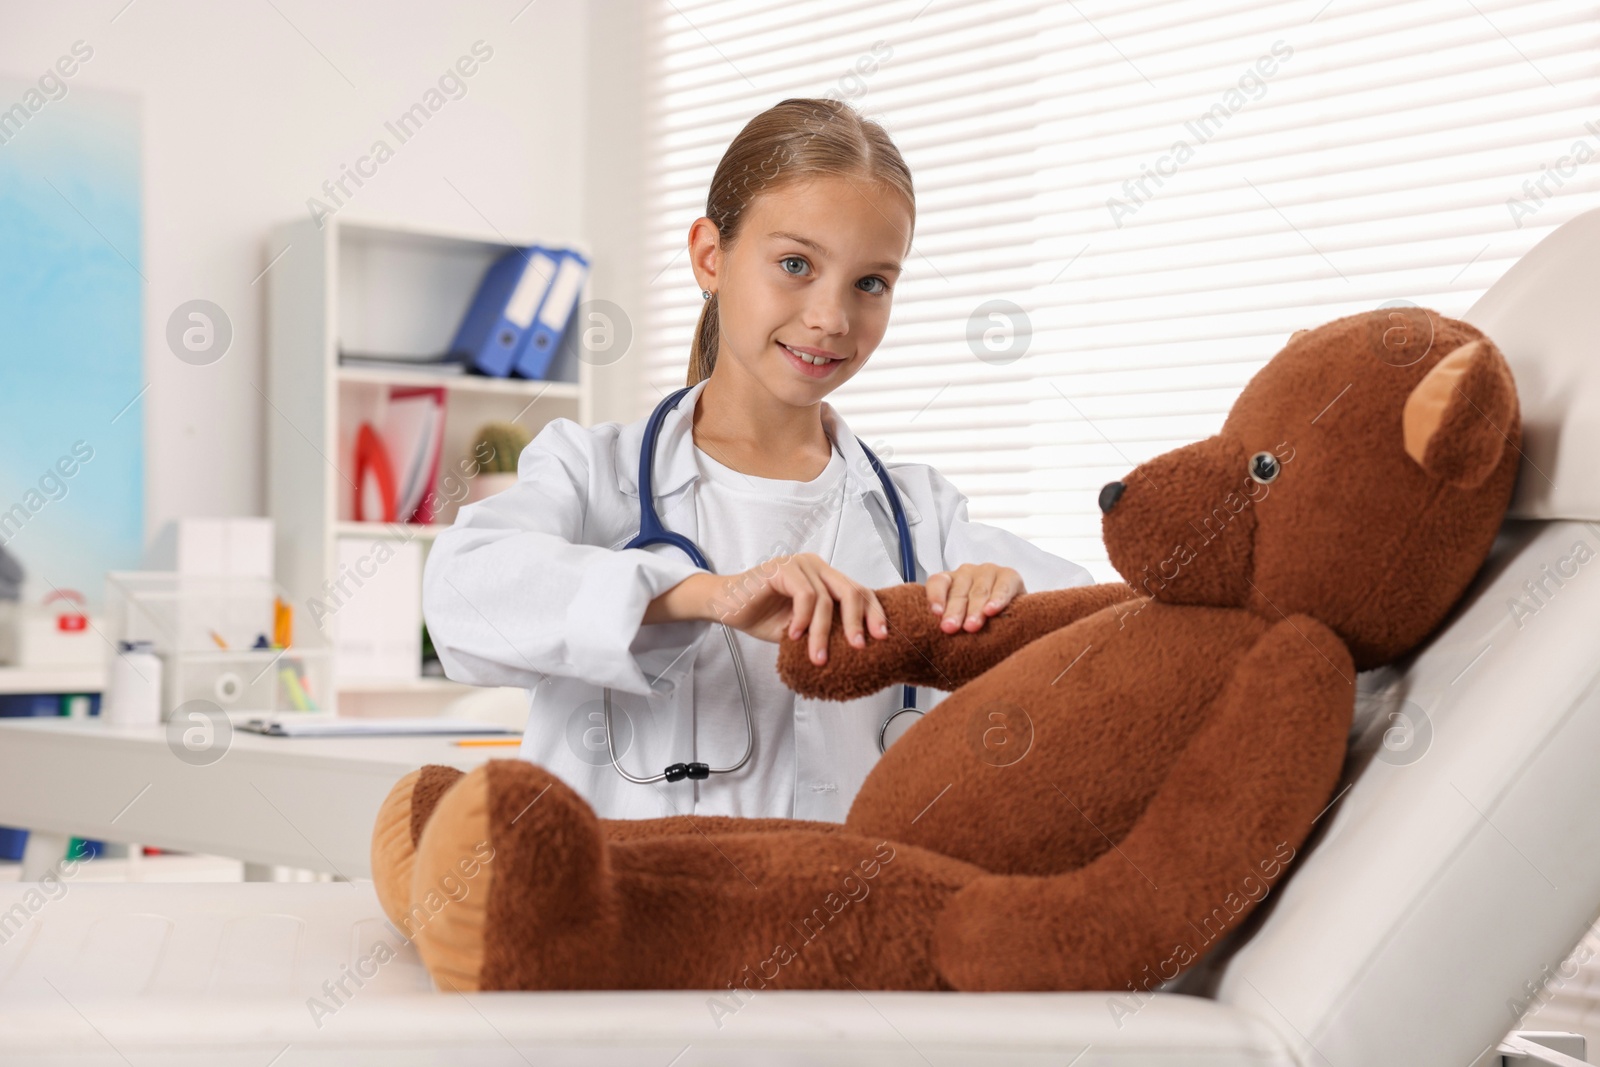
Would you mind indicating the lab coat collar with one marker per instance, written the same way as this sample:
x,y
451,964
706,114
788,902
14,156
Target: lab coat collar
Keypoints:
x,y
675,464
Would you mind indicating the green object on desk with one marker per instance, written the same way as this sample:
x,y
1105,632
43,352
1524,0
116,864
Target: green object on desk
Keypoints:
x,y
297,694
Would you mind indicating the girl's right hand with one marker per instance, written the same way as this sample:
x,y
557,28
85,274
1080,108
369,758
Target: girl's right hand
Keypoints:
x,y
787,595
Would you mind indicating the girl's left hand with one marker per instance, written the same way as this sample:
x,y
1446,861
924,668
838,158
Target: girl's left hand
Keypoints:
x,y
973,590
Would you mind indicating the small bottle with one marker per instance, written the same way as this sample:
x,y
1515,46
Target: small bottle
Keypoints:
x,y
133,692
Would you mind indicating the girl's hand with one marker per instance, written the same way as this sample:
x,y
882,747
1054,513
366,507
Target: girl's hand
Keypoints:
x,y
788,595
975,590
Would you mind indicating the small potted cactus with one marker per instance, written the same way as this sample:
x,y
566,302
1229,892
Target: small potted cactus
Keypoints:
x,y
495,449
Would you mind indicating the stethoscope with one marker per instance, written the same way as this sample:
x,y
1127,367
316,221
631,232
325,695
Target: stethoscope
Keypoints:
x,y
652,532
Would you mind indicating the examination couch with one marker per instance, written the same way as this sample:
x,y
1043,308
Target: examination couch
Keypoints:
x,y
1457,866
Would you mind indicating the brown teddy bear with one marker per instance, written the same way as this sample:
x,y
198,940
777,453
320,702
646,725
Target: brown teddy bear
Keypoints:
x,y
1121,771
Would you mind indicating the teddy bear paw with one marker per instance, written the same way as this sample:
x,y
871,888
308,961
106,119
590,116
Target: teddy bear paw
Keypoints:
x,y
511,886
401,817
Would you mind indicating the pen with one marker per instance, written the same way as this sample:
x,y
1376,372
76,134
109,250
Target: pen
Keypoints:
x,y
484,742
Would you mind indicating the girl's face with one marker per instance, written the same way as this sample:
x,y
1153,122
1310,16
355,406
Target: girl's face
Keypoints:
x,y
812,274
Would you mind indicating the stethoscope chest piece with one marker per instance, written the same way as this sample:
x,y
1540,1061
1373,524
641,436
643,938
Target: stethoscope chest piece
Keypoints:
x,y
884,741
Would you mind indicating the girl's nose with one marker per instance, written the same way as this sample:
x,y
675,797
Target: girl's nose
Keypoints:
x,y
826,312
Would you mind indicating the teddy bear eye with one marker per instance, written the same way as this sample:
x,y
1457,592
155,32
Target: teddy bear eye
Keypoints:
x,y
1264,467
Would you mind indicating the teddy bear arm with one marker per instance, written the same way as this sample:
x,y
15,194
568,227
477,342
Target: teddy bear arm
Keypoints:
x,y
1220,831
951,660
918,652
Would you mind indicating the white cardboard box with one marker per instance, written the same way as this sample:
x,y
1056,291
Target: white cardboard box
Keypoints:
x,y
238,546
375,609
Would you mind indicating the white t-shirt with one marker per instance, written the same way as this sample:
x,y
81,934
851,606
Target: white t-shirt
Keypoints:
x,y
745,520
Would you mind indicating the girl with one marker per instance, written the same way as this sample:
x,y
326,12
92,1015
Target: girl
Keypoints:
x,y
807,223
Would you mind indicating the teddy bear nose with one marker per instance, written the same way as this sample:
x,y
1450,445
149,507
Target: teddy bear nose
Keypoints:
x,y
1110,493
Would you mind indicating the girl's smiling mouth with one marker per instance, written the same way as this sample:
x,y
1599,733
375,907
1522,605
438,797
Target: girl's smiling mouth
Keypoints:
x,y
812,362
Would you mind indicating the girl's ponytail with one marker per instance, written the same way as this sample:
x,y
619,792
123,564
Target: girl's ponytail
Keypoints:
x,y
703,350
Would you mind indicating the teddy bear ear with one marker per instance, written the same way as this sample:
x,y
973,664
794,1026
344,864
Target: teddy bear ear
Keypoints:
x,y
1293,337
1456,419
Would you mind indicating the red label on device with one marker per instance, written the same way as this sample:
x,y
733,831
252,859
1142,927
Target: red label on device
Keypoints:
x,y
72,622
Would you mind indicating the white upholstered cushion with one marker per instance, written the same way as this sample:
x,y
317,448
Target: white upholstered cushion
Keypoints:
x,y
1544,313
1440,886
213,974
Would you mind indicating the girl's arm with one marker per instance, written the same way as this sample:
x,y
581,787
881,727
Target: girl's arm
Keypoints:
x,y
512,594
966,541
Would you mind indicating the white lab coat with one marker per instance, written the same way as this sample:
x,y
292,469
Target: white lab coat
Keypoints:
x,y
531,588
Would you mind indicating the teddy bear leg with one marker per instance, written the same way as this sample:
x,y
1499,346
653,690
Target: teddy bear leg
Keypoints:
x,y
797,910
619,830
411,802
1222,828
515,886
401,817
510,888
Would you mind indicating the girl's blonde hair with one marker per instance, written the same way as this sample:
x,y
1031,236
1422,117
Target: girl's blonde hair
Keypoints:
x,y
794,140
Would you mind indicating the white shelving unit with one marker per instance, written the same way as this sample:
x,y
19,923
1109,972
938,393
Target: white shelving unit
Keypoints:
x,y
377,289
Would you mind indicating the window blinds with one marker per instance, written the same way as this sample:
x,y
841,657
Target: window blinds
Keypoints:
x,y
1125,208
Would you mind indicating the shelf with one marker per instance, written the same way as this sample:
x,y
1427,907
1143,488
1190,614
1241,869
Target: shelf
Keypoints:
x,y
400,685
381,287
404,230
388,531
75,680
462,383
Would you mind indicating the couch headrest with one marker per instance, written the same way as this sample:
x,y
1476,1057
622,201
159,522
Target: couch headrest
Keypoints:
x,y
1544,313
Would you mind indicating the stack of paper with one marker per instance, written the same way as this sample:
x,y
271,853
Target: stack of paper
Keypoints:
x,y
413,433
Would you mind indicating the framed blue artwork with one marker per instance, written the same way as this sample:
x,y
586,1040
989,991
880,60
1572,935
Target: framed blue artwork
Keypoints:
x,y
71,336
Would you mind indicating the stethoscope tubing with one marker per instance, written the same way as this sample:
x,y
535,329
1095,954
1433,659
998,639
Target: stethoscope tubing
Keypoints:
x,y
653,532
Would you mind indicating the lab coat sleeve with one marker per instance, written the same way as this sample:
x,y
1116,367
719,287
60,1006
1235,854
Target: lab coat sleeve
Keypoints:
x,y
512,594
966,541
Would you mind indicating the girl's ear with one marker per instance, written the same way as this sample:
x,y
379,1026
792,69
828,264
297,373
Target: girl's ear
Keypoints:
x,y
1455,420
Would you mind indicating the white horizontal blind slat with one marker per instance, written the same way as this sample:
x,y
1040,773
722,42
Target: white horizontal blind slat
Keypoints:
x,y
1396,150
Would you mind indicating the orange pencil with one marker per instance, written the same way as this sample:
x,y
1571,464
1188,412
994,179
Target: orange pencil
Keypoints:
x,y
484,742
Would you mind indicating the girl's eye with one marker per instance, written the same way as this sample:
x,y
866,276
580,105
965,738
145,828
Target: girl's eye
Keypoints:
x,y
786,260
882,286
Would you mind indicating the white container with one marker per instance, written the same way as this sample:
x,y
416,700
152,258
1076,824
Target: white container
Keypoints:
x,y
374,610
58,633
214,636
133,686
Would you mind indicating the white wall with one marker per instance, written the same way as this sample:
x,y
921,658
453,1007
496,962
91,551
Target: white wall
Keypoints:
x,y
250,105
614,207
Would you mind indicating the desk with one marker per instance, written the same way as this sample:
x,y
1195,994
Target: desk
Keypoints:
x,y
298,802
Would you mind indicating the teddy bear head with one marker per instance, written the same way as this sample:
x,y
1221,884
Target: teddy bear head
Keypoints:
x,y
1360,478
